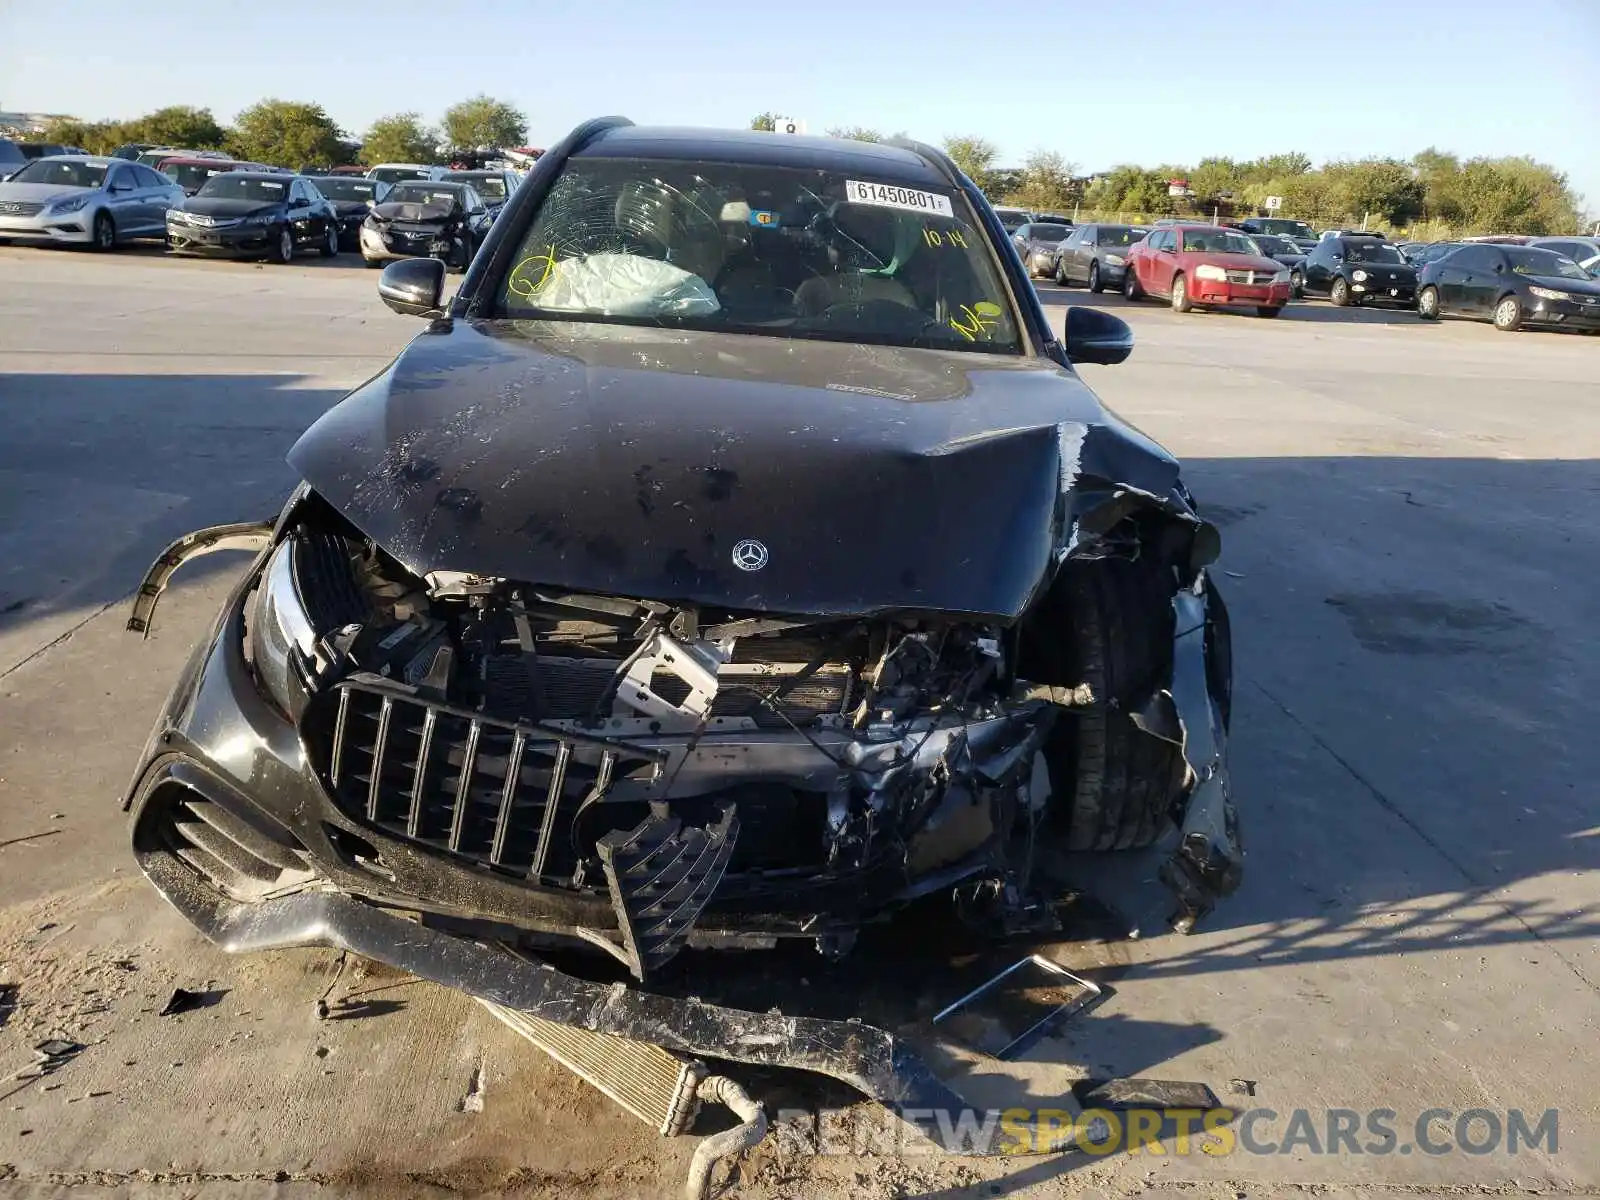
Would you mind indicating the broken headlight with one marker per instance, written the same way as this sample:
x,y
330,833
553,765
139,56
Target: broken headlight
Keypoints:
x,y
282,639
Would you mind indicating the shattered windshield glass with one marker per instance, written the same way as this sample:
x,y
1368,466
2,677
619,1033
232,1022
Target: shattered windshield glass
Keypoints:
x,y
752,248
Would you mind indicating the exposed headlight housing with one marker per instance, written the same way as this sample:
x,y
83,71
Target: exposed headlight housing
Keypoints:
x,y
1359,276
282,640
1208,271
1550,293
70,204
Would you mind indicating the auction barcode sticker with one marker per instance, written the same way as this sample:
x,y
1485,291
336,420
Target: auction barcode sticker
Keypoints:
x,y
888,195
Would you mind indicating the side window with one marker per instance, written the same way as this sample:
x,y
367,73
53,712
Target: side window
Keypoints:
x,y
297,191
313,193
1475,258
1571,249
1089,232
120,177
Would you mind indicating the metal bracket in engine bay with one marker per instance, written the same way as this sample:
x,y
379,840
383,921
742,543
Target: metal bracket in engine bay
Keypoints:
x,y
694,662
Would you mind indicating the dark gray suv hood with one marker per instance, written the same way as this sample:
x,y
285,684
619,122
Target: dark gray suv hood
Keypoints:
x,y
635,461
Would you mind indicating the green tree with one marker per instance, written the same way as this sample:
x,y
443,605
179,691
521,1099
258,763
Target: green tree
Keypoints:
x,y
1046,183
1313,197
1131,189
1382,187
97,137
286,133
855,133
764,122
1272,166
1215,179
181,126
1517,195
1440,176
399,137
975,156
484,121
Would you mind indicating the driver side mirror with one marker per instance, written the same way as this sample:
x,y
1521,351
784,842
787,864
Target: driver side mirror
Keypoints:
x,y
412,286
1095,336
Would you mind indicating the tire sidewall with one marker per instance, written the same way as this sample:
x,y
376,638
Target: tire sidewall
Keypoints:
x,y
1423,309
105,231
1180,294
284,241
1508,326
1339,292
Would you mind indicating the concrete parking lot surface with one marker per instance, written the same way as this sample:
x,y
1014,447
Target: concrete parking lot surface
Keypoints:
x,y
1410,556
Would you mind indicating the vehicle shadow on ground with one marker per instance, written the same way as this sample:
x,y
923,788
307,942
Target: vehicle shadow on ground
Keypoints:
x,y
1410,636
98,473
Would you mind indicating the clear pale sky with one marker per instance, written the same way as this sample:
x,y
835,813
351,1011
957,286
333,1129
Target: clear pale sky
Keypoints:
x,y
1157,81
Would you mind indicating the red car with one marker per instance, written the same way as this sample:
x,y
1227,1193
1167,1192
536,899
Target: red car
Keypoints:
x,y
1205,264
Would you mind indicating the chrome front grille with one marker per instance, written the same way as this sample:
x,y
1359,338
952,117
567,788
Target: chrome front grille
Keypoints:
x,y
19,208
489,790
1253,278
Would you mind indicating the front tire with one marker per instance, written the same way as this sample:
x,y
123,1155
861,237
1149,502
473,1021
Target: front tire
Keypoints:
x,y
330,240
1428,303
1339,293
1269,310
283,249
1061,274
1095,285
1180,295
1508,315
105,232
1297,285
1114,784
1130,283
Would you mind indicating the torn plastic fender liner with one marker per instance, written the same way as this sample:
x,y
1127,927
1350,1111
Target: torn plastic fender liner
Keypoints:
x,y
870,1059
1209,861
245,535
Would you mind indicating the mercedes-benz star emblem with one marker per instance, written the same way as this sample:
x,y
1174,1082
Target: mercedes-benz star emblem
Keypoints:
x,y
749,555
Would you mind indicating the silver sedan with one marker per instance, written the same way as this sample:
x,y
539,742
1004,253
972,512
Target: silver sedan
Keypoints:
x,y
85,201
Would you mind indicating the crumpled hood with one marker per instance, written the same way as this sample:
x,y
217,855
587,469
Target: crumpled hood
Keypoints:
x,y
635,461
405,210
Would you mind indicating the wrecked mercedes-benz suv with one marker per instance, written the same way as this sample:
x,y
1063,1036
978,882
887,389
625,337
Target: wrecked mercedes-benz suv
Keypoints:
x,y
735,560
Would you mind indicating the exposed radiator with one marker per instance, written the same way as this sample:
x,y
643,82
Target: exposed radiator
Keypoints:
x,y
652,1083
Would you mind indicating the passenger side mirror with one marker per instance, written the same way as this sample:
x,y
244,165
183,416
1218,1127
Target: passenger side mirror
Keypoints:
x,y
412,286
1094,336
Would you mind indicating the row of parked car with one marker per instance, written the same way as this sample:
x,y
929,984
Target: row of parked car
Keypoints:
x,y
1265,262
207,203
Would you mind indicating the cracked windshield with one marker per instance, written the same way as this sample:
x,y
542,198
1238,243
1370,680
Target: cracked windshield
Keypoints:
x,y
761,249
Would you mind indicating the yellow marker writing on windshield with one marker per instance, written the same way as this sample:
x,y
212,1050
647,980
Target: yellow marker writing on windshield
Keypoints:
x,y
944,237
980,319
518,284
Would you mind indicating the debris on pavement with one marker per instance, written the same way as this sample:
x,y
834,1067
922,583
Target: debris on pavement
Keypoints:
x,y
1242,1087
52,1052
1148,1093
472,1102
181,1001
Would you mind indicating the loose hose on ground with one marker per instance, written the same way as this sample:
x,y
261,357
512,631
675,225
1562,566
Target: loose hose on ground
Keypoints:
x,y
719,1089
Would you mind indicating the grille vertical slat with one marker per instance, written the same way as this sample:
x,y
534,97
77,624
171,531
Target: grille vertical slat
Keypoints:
x,y
338,735
552,801
414,817
502,823
464,788
375,784
463,781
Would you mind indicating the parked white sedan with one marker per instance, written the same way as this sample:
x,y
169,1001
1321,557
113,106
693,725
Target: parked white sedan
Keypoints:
x,y
86,201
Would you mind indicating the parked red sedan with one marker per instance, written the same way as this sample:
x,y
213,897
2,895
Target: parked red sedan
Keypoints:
x,y
1205,264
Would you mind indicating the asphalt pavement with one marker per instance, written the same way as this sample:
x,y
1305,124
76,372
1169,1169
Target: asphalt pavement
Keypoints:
x,y
1410,557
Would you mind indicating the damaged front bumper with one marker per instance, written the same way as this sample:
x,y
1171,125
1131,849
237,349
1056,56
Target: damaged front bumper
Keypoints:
x,y
233,824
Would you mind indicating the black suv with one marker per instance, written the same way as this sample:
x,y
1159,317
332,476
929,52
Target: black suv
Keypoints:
x,y
1353,268
736,558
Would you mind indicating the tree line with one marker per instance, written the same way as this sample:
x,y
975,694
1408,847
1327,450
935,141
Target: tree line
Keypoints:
x,y
291,133
1478,195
